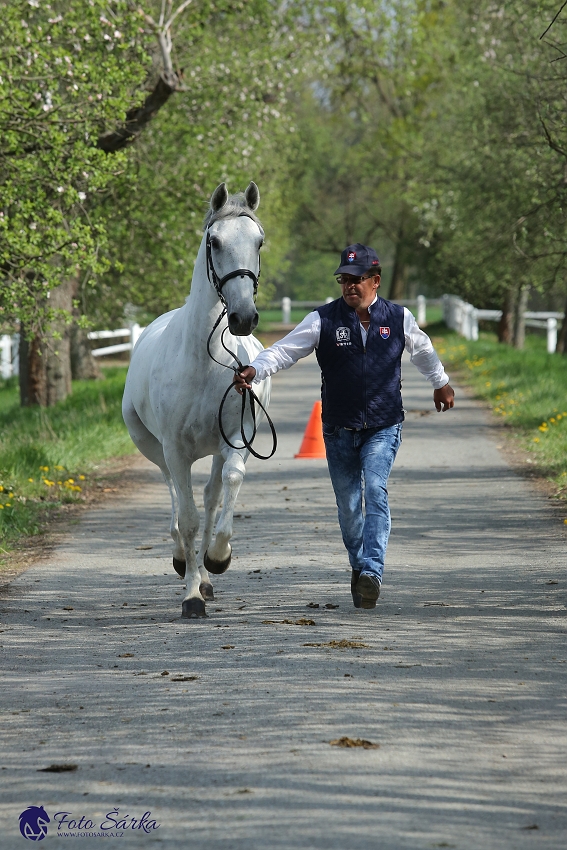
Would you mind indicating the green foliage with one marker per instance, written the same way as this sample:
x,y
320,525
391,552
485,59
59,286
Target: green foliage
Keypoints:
x,y
532,407
67,70
55,447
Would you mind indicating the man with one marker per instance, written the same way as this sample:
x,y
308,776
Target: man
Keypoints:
x,y
359,340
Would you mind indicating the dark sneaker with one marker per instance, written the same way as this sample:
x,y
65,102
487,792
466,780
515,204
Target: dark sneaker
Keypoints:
x,y
356,597
368,587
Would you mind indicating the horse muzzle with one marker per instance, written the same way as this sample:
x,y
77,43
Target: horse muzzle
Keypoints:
x,y
242,324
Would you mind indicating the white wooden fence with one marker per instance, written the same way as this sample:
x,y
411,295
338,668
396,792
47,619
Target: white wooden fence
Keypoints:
x,y
463,318
457,314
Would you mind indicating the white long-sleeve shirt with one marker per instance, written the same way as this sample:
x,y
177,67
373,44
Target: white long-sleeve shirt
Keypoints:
x,y
304,339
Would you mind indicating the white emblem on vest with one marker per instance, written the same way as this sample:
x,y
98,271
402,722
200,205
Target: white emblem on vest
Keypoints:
x,y
343,335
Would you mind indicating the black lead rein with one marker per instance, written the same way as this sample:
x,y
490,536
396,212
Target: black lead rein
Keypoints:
x,y
218,284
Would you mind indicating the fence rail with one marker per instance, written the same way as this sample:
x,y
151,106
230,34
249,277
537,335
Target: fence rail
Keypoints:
x,y
457,314
463,318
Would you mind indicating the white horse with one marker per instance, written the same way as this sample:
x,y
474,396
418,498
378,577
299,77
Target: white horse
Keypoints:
x,y
174,389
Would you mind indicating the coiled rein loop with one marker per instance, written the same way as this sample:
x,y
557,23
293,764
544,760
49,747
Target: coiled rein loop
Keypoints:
x,y
218,284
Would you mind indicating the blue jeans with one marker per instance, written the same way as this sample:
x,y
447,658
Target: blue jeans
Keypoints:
x,y
360,463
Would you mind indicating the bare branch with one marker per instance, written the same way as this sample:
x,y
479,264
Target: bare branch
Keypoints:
x,y
178,12
553,21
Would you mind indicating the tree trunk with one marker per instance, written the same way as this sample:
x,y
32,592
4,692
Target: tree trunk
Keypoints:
x,y
45,363
520,320
398,284
505,326
33,389
84,367
562,336
58,351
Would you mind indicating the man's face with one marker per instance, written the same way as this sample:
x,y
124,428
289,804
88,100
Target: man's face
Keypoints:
x,y
359,292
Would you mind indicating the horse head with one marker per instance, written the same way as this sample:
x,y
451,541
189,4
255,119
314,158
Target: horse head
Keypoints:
x,y
234,237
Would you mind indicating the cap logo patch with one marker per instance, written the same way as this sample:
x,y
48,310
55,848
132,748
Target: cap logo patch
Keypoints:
x,y
384,333
343,336
351,257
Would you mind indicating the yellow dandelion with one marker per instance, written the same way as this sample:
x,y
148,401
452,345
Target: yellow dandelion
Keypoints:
x,y
536,439
542,428
565,521
552,420
10,495
1,488
48,482
30,480
1,507
44,468
59,467
71,480
8,504
81,477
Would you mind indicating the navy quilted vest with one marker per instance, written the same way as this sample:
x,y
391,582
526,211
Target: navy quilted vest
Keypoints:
x,y
361,386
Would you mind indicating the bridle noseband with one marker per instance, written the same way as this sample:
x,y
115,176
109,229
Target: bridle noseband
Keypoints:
x,y
218,284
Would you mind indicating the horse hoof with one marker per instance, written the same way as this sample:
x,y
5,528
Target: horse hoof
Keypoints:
x,y
179,567
193,609
217,568
206,591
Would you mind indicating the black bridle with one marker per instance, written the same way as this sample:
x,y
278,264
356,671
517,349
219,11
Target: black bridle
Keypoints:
x,y
218,283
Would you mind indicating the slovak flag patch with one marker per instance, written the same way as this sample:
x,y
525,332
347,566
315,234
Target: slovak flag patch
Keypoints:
x,y
384,333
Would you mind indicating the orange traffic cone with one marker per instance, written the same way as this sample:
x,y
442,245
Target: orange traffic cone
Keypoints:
x,y
313,444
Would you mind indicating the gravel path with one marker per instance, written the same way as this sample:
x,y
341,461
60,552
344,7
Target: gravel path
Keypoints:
x,y
221,728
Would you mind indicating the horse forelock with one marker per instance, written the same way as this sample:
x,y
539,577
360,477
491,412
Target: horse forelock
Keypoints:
x,y
235,206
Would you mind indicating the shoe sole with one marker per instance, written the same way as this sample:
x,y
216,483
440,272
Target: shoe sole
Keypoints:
x,y
366,588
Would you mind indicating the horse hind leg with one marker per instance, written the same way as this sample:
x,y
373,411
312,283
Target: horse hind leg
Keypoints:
x,y
179,563
151,448
212,496
218,555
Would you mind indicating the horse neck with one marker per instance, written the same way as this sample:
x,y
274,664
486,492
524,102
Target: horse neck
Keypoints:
x,y
201,310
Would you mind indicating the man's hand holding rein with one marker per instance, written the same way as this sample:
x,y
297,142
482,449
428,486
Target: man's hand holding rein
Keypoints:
x,y
243,379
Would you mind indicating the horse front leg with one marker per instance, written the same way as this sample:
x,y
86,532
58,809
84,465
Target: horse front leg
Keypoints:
x,y
212,497
193,605
218,555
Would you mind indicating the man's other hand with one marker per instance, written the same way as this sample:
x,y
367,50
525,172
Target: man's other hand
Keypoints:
x,y
243,379
443,398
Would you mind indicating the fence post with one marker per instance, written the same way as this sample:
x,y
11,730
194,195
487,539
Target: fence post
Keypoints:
x,y
551,336
421,311
286,311
135,333
6,356
474,324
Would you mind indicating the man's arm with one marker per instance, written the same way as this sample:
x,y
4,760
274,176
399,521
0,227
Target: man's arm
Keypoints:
x,y
298,343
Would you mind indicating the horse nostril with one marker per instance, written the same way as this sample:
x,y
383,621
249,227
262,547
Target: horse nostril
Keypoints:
x,y
255,320
233,320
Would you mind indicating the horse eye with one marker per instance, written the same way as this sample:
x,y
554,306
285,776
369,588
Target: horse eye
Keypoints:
x,y
215,242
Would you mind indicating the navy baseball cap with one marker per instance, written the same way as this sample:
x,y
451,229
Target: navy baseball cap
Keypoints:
x,y
357,260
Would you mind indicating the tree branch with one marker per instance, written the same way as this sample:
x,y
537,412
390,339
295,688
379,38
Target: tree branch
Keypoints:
x,y
168,83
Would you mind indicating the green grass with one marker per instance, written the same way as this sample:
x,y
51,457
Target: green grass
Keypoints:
x,y
47,456
527,391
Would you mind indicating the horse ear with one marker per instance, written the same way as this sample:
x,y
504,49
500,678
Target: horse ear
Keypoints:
x,y
252,195
219,197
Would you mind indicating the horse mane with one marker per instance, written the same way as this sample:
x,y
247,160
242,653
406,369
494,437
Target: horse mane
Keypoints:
x,y
235,206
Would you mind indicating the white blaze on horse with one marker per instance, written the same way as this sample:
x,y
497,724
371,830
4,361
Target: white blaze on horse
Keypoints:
x,y
174,389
